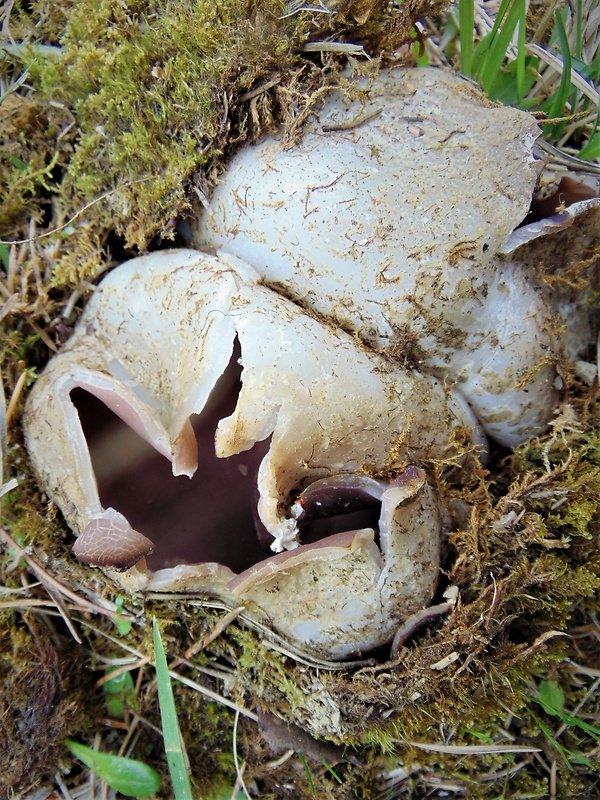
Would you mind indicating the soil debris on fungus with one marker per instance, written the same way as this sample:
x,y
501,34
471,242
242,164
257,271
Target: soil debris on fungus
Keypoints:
x,y
117,121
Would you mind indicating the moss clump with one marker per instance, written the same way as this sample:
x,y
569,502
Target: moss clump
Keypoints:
x,y
119,114
149,91
40,703
130,105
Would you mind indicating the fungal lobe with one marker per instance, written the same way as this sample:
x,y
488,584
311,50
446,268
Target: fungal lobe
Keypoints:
x,y
403,237
253,371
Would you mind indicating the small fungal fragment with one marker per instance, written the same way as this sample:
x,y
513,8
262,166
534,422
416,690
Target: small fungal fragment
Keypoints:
x,y
110,541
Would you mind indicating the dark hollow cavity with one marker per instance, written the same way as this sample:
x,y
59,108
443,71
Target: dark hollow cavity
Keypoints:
x,y
211,517
333,510
569,192
206,518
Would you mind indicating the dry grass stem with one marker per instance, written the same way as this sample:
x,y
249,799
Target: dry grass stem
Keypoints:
x,y
475,749
51,583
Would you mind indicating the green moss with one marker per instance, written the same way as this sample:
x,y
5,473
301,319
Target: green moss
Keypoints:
x,y
138,96
135,104
147,85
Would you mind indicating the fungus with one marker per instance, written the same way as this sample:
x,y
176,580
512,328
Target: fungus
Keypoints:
x,y
413,236
109,541
395,221
322,411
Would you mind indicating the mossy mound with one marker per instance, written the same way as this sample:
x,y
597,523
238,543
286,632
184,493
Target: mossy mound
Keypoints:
x,y
527,564
117,115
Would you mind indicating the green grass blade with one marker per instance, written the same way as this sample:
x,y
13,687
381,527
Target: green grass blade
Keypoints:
x,y
480,54
170,724
502,12
564,754
466,16
505,90
126,775
332,772
579,29
501,42
4,256
575,722
564,89
521,56
592,70
482,50
591,150
311,785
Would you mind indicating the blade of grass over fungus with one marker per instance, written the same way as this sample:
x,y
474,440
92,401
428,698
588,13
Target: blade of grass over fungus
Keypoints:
x,y
562,95
466,17
170,724
126,775
500,42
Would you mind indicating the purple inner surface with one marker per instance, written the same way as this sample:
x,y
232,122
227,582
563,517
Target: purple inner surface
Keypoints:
x,y
204,518
569,191
211,517
332,510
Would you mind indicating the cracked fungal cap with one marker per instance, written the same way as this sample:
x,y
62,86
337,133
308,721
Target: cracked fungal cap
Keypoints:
x,y
308,427
394,216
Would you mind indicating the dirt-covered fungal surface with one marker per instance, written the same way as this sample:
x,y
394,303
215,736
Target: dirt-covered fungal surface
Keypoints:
x,y
118,120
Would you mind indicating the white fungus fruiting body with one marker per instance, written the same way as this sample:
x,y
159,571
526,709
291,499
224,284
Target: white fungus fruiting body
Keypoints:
x,y
153,342
393,217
